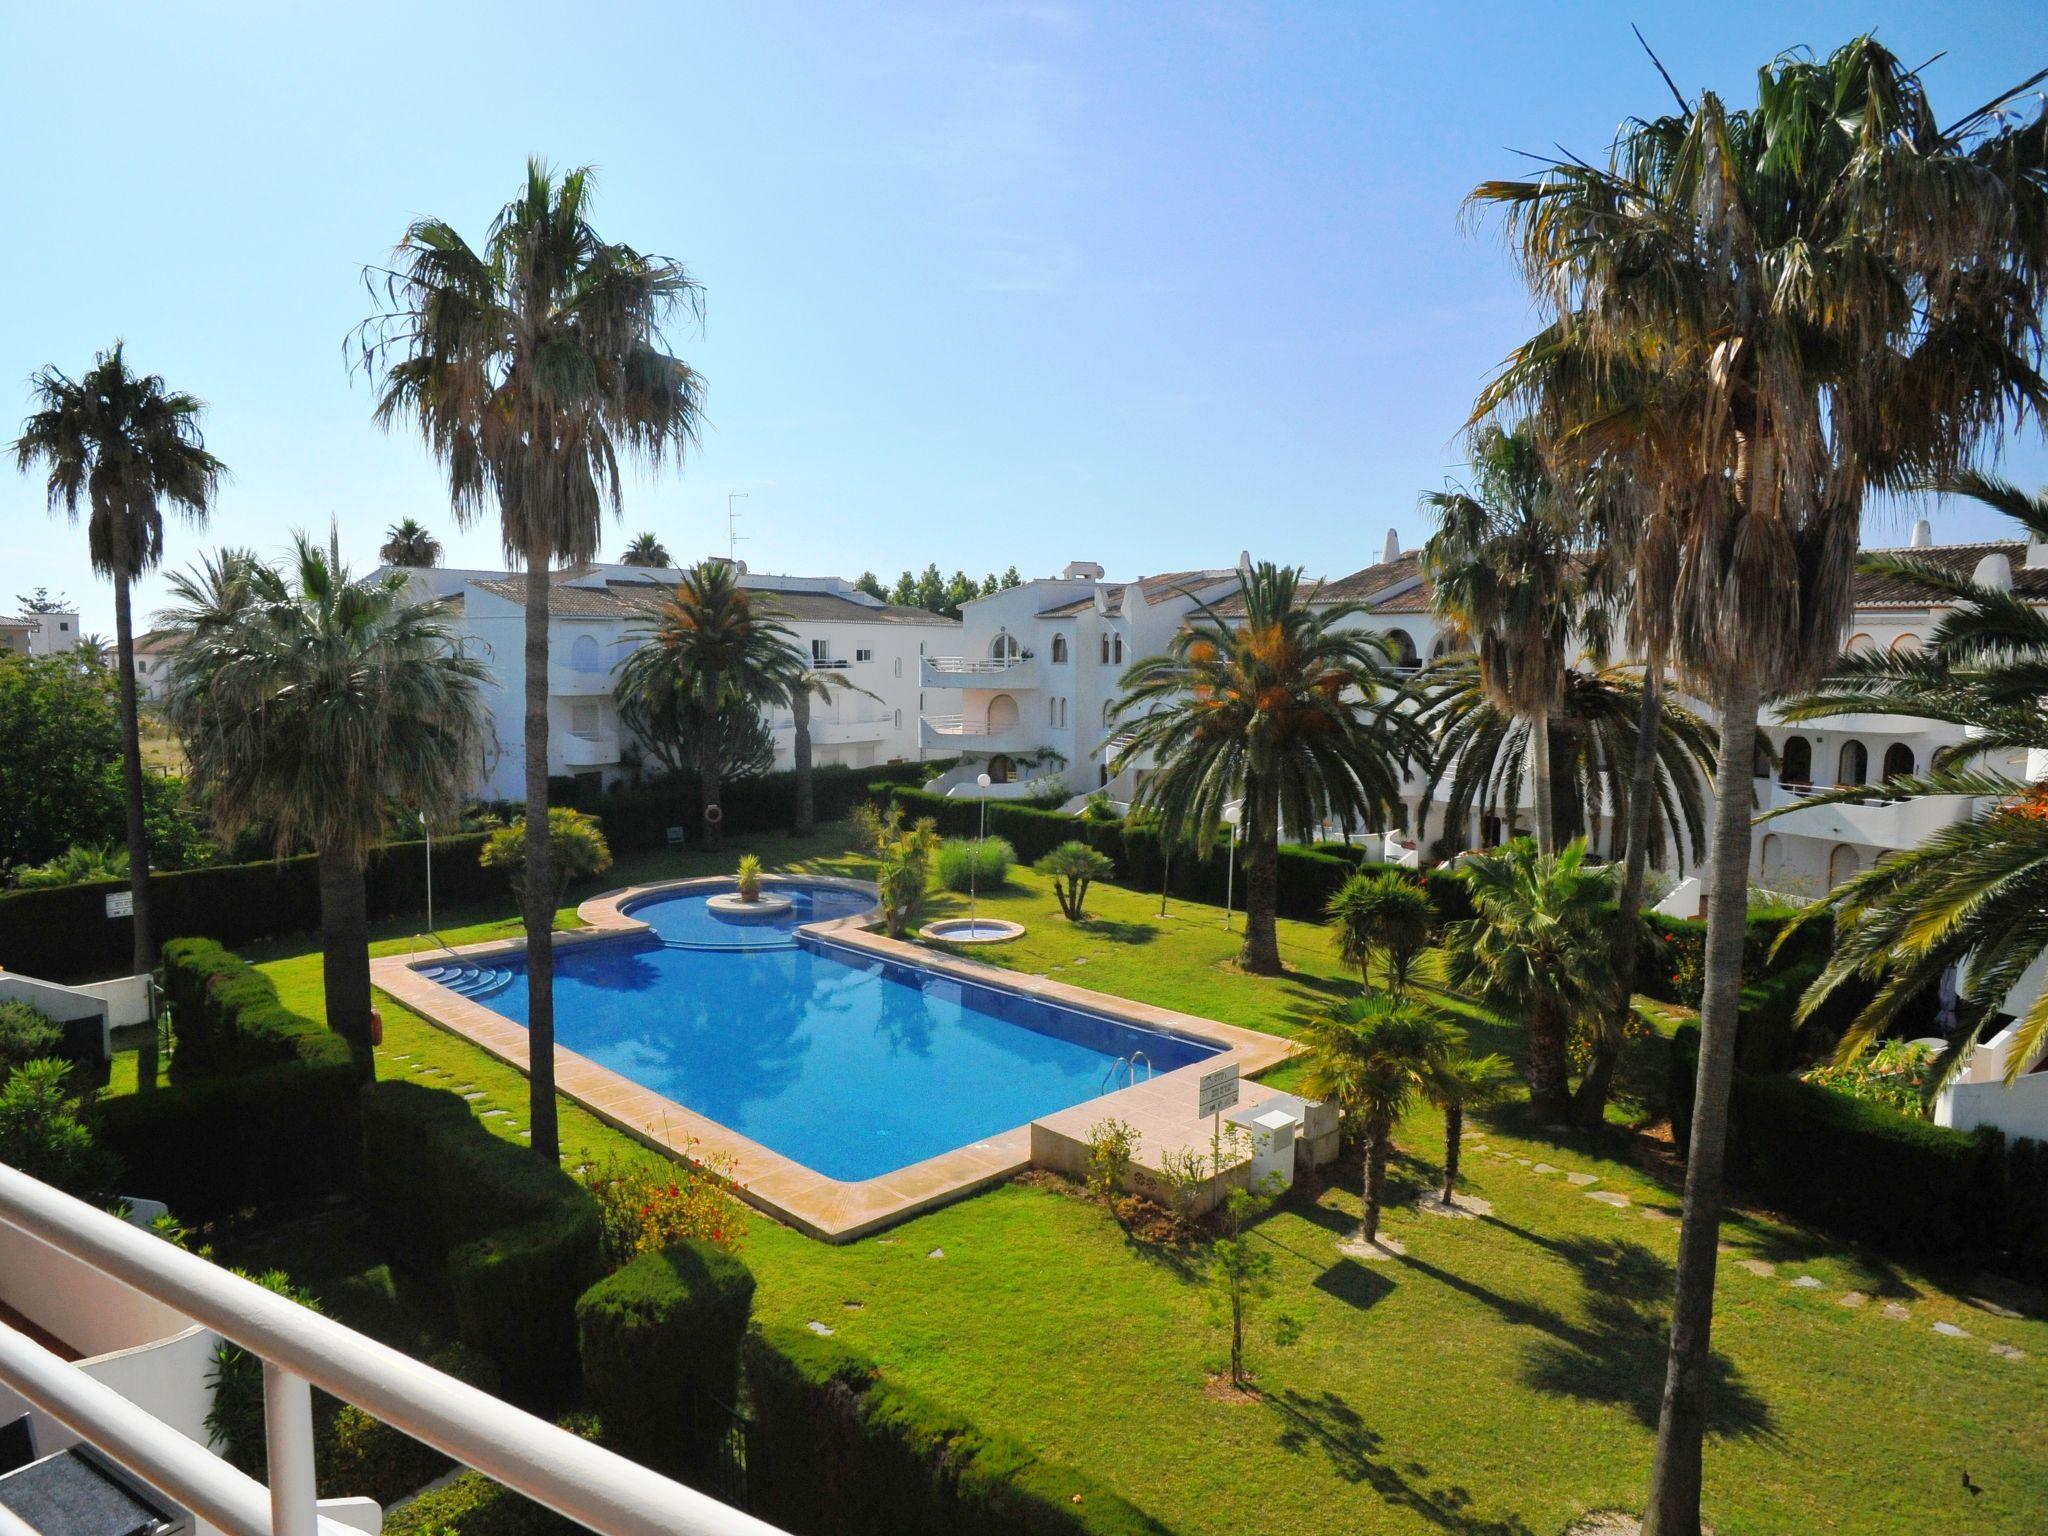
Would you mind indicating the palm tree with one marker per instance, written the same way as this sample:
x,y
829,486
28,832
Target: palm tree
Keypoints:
x,y
321,706
1483,751
711,648
1538,952
806,686
409,546
531,368
1385,914
1287,712
646,550
123,444
1974,896
1836,292
1373,1054
1504,569
1457,1082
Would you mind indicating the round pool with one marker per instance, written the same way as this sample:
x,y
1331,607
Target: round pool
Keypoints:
x,y
687,917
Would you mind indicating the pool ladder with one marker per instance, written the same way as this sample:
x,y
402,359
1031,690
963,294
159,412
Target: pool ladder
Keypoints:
x,y
1128,1067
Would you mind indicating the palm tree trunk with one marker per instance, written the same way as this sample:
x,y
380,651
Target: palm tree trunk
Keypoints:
x,y
345,966
536,900
800,715
1261,952
1374,1193
1539,778
1589,1105
1549,1068
1454,1138
131,783
1675,1479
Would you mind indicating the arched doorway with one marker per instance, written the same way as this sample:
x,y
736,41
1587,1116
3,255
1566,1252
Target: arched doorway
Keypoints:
x,y
1002,713
1771,857
1898,760
1853,766
1842,863
1404,648
1797,762
1001,770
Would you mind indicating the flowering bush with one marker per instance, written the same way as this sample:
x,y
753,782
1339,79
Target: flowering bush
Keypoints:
x,y
1899,1075
644,1210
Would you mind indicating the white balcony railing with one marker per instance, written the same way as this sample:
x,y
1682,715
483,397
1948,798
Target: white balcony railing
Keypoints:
x,y
978,672
956,733
577,751
1876,822
574,682
301,1349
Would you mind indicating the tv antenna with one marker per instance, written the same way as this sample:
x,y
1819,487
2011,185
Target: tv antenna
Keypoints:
x,y
732,525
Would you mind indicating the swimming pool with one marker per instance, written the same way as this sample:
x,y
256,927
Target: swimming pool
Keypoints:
x,y
851,1065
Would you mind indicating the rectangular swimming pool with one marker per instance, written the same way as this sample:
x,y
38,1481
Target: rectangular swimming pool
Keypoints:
x,y
850,1065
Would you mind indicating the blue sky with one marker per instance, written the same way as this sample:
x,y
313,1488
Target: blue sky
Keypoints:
x,y
985,284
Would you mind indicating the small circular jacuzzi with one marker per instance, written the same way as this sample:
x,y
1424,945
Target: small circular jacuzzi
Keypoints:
x,y
971,930
711,915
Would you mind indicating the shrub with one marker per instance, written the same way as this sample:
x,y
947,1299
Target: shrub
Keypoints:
x,y
905,873
747,879
41,1132
1898,1075
76,863
974,863
659,1338
234,1419
839,1447
576,851
474,1505
1112,1145
515,1293
26,1033
642,1210
1074,867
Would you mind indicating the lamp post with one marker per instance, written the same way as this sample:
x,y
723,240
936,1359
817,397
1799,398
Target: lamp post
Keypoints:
x,y
428,833
981,782
1232,815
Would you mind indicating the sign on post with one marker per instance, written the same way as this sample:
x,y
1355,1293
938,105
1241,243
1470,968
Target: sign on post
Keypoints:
x,y
120,903
1218,1090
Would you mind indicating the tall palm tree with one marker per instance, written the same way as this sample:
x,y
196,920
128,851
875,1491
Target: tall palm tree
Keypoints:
x,y
409,546
1287,712
1537,952
807,686
531,368
1483,751
712,648
1458,1082
647,550
321,705
122,444
1504,568
1837,292
1974,896
1373,1054
1385,914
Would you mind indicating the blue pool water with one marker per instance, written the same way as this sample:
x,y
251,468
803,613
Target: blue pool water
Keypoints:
x,y
846,1064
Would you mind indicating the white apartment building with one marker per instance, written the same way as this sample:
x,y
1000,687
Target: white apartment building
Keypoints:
x,y
1028,694
39,634
153,652
597,614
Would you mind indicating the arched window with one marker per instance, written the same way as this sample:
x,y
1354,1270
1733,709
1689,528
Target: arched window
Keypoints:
x,y
1853,766
1842,863
1109,712
1000,769
1859,644
899,719
1404,647
1898,760
1906,644
1105,647
1002,713
1797,762
1772,856
1003,647
899,666
583,654
1439,648
1059,650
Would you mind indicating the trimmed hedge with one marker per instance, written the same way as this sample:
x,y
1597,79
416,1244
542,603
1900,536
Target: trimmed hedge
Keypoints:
x,y
64,932
636,818
839,1450
1911,1188
475,1505
515,1238
659,1337
262,1101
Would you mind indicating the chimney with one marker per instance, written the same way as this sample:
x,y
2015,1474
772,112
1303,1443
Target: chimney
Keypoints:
x,y
2037,553
1393,549
1923,534
1993,571
1082,570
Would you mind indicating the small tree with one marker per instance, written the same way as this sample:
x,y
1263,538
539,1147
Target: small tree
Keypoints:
x,y
1372,1054
578,851
1458,1082
42,1134
747,879
1239,1269
26,1034
1112,1146
1074,866
1387,914
906,857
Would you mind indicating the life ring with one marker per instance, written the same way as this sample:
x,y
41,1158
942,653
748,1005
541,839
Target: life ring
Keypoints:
x,y
713,815
376,1028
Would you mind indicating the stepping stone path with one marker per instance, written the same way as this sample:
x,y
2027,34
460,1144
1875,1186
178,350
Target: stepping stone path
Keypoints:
x,y
2007,1352
1950,1331
1607,1197
1652,1213
819,1329
1994,1308
1806,1283
936,1253
1545,1168
1762,1267
1851,1299
491,1113
1896,1312
1581,1179
1525,1163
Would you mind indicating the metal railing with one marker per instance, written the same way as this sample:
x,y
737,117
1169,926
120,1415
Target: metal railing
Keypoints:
x,y
301,1349
977,665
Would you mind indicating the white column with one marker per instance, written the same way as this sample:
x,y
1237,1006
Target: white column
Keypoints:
x,y
288,1433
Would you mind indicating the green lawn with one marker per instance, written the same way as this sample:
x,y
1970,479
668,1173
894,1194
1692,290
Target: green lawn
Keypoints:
x,y
1501,1378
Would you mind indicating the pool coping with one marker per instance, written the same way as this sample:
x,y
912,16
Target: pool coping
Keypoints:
x,y
832,1210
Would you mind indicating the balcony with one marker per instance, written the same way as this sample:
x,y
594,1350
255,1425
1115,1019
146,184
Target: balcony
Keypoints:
x,y
1875,822
956,733
577,751
568,681
977,672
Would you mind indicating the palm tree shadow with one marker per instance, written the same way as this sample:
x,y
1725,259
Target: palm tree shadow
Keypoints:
x,y
1357,1454
1118,931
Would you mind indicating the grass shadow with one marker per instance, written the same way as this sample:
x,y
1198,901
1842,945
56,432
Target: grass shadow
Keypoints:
x,y
1113,930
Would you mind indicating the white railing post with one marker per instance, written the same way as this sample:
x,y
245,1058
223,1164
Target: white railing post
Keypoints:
x,y
288,1440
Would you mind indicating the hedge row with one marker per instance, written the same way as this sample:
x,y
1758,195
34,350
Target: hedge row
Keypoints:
x,y
840,1450
637,818
515,1237
1908,1187
262,1102
64,932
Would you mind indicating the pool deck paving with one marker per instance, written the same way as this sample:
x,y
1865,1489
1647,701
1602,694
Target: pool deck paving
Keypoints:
x,y
1161,1108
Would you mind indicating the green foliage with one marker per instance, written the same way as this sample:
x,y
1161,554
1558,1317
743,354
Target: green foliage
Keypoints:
x,y
1240,1269
1385,914
60,740
26,1032
1073,867
747,878
906,855
234,1419
474,1505
1112,1145
1101,807
837,1446
975,863
357,1454
100,861
1899,1075
226,1017
577,850
43,1134
643,1209
660,1344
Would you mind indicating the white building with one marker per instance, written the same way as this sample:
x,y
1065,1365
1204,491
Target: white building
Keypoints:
x,y
39,634
1027,695
598,613
153,652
